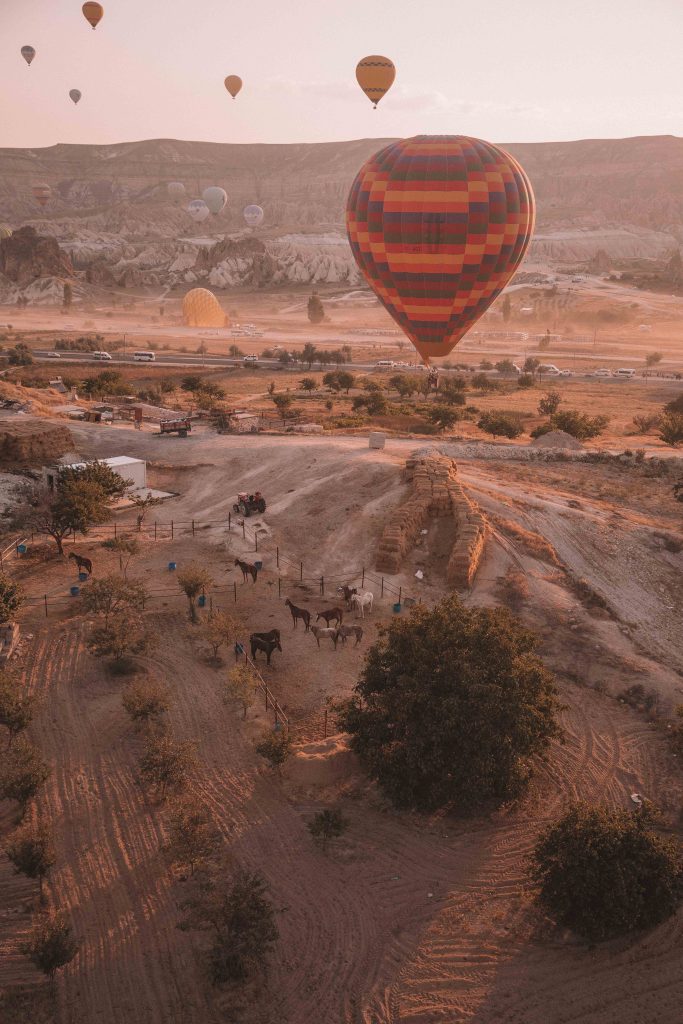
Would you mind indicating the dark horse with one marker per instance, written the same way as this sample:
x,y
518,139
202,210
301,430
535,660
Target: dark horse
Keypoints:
x,y
272,634
330,614
299,613
267,646
81,562
247,570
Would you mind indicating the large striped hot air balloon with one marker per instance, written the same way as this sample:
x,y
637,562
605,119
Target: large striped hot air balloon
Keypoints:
x,y
42,193
438,225
375,75
93,12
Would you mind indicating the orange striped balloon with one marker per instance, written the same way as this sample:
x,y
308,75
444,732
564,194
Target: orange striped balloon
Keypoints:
x,y
375,75
93,12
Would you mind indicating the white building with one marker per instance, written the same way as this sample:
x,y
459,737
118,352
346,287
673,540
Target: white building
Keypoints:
x,y
127,468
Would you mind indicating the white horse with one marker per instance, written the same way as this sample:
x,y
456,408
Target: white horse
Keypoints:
x,y
325,631
362,601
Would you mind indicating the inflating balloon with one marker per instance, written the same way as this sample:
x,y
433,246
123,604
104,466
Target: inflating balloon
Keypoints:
x,y
176,190
438,225
201,308
28,53
198,210
253,215
375,75
42,194
215,198
233,83
92,12
75,95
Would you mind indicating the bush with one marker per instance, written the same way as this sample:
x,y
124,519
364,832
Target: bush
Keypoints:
x,y
525,380
500,424
550,403
50,944
275,747
483,383
451,708
17,707
645,424
578,424
124,636
145,700
605,873
327,825
31,850
22,773
193,834
442,416
671,428
165,764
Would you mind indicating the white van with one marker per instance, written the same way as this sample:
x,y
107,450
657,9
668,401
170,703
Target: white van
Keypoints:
x,y
624,373
385,362
101,355
144,357
549,369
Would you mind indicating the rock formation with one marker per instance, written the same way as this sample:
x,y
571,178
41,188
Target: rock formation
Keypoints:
x,y
27,256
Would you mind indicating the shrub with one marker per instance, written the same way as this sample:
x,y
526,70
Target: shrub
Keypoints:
x,y
605,873
112,595
11,598
31,850
275,748
578,424
645,424
193,834
483,383
218,629
671,428
327,825
145,700
50,944
17,707
442,416
525,380
550,403
500,424
165,764
240,687
124,636
193,580
22,773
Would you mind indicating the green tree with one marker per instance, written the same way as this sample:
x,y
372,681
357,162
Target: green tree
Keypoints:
x,y
309,354
525,380
283,404
578,424
307,384
235,351
275,748
124,636
550,403
11,598
671,428
346,380
126,548
50,944
500,424
143,506
452,390
443,416
145,700
241,687
531,364
218,629
405,384
110,595
316,310
193,581
326,825
193,835
31,851
505,366
22,773
482,382
17,707
606,872
452,707
652,359
165,764
20,355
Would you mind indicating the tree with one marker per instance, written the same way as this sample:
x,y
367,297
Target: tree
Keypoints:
x,y
193,580
500,424
31,850
126,548
122,638
645,424
17,708
506,308
671,428
483,383
452,707
193,383
11,598
145,700
308,354
283,404
405,384
316,310
67,295
452,390
604,872
50,944
275,748
241,920
525,380
111,595
652,359
22,773
531,364
165,764
307,384
505,366
443,416
218,629
326,825
20,355
550,403
241,687
143,505
193,834
235,351
346,380
578,424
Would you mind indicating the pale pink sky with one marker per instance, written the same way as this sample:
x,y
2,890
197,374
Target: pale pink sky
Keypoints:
x,y
507,70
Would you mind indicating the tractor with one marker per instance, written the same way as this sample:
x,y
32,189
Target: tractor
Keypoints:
x,y
247,504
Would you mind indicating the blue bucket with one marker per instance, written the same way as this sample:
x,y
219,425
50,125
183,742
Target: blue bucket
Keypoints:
x,y
172,566
397,607
202,600
82,576
75,591
259,565
21,549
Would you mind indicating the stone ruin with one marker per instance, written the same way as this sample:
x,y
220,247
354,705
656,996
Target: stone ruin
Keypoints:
x,y
436,492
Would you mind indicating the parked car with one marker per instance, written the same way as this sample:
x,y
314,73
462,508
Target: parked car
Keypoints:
x,y
102,355
602,372
549,369
565,373
53,355
250,359
624,373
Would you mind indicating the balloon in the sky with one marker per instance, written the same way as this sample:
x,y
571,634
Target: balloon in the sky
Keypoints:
x,y
75,95
28,53
93,12
233,83
253,215
198,210
42,194
215,198
438,225
375,76
5,231
176,190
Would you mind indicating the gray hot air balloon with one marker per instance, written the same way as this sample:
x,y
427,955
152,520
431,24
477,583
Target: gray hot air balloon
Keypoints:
x,y
198,210
253,215
28,53
215,198
176,190
75,94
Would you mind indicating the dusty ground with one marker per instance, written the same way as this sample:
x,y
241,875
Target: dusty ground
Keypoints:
x,y
407,919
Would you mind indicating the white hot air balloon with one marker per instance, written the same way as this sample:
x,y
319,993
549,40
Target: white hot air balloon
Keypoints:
x,y
176,190
75,95
253,215
198,210
215,198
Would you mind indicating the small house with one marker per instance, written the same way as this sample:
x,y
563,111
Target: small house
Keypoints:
x,y
127,468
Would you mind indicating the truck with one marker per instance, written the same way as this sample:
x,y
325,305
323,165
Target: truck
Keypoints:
x,y
181,427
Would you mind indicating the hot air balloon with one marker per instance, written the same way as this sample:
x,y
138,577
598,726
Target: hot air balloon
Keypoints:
x,y
233,83
438,225
28,53
375,76
253,215
5,231
201,308
198,210
215,198
75,95
42,194
176,190
92,12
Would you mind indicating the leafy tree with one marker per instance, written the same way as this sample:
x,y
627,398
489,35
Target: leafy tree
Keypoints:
x,y
346,380
50,944
671,428
652,359
604,872
193,580
452,707
505,366
193,835
485,364
110,595
283,404
241,687
316,310
452,390
22,773
481,382
165,764
326,825
125,635
307,384
500,424
531,364
525,380
675,405
405,384
374,402
241,920
550,403
506,308
17,707
11,598
443,416
143,506
108,382
193,382
578,424
235,351
275,748
145,700
218,629
31,850
308,354
20,355
126,548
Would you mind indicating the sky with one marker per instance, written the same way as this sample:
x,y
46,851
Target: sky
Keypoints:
x,y
503,70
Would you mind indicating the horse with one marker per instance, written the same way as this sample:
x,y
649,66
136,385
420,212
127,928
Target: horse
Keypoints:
x,y
328,614
345,631
273,634
362,601
247,570
267,646
348,593
299,613
325,631
81,562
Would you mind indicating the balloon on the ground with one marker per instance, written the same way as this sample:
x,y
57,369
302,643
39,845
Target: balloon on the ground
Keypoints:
x,y
42,194
253,215
201,308
92,12
28,53
175,189
233,83
198,210
75,95
215,198
438,225
5,231
375,75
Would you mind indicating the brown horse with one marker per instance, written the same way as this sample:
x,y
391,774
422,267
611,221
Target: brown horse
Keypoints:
x,y
81,562
247,570
348,593
299,613
329,614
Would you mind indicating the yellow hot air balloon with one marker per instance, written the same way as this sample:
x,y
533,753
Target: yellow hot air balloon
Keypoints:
x,y
375,76
233,83
201,308
92,12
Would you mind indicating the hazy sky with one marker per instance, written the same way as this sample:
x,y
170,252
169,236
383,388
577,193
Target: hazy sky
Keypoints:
x,y
506,70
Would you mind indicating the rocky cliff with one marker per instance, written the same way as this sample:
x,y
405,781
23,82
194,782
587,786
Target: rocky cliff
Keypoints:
x,y
27,256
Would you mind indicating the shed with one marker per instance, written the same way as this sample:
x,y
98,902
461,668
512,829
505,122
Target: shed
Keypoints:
x,y
245,422
127,467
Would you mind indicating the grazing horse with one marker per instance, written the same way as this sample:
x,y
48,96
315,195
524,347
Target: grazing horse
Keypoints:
x,y
325,631
81,562
273,634
299,613
328,614
345,631
247,570
362,601
267,646
348,593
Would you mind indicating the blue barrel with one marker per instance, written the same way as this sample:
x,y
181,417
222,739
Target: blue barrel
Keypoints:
x,y
75,591
259,565
172,566
202,600
21,549
82,576
397,607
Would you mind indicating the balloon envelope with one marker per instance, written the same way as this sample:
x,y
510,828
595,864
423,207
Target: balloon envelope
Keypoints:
x,y
438,225
75,94
201,308
198,210
92,12
215,198
375,75
28,53
233,83
175,189
253,215
5,231
42,194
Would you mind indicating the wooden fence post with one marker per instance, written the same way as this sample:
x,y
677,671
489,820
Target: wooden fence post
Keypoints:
x,y
244,530
256,540
325,726
171,529
115,531
301,570
363,579
322,585
382,594
193,527
277,557
235,586
155,529
279,586
45,605
229,521
400,591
